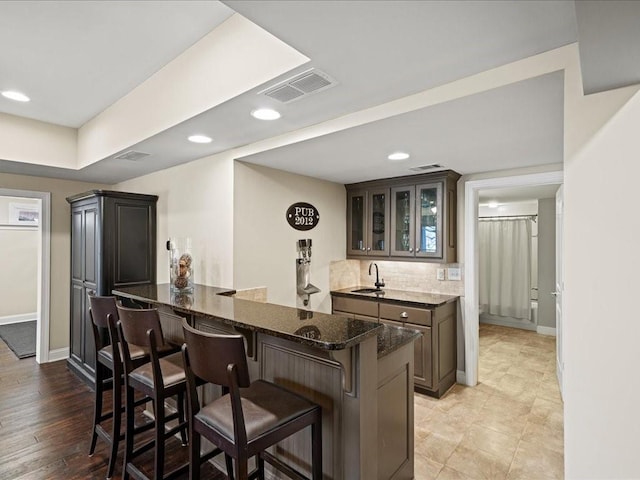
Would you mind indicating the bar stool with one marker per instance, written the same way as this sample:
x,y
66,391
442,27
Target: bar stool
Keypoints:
x,y
108,375
159,379
242,423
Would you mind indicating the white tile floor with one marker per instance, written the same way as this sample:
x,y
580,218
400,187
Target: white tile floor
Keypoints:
x,y
510,426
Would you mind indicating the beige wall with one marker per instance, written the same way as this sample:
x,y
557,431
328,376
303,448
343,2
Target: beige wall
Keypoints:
x,y
19,259
546,262
265,244
195,201
32,141
60,245
601,325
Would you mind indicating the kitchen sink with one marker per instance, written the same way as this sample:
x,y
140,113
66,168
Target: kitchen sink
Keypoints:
x,y
367,290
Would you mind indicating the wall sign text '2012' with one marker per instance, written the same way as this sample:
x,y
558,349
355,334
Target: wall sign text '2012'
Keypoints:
x,y
303,216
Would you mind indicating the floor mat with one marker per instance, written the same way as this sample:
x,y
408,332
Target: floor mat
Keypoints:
x,y
20,337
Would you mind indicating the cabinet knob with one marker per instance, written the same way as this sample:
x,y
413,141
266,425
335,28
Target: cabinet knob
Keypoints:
x,y
368,249
411,250
404,315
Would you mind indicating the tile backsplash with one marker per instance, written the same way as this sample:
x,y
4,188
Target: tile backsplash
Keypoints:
x,y
408,276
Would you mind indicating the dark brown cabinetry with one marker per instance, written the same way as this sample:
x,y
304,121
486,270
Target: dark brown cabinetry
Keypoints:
x,y
435,353
410,217
113,244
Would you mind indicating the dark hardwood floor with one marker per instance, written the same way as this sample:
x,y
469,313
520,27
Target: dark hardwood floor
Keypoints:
x,y
45,426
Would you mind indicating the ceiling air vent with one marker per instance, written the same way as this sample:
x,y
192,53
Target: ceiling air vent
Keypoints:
x,y
301,85
131,155
424,168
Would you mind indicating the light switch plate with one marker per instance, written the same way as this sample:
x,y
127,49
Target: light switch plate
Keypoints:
x,y
440,274
453,273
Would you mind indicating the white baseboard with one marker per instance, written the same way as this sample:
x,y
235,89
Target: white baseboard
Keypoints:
x,y
546,330
58,354
23,317
507,322
461,377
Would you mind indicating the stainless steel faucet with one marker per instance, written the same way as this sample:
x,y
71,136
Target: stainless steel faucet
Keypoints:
x,y
378,284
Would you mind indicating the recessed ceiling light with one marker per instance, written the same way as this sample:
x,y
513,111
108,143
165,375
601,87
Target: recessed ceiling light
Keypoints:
x,y
17,96
492,205
200,139
398,156
265,114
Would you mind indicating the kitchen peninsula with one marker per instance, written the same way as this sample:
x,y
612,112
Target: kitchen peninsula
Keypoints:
x,y
360,372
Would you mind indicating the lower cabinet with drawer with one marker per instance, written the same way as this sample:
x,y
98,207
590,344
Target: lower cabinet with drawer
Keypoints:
x,y
435,352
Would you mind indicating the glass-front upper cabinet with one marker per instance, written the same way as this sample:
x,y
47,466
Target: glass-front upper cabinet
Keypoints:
x,y
429,220
417,220
367,219
402,221
356,218
405,218
378,230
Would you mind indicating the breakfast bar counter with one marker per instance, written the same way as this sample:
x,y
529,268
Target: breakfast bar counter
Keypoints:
x,y
319,330
360,372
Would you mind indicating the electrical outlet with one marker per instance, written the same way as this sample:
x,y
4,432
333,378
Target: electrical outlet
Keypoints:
x,y
453,273
440,274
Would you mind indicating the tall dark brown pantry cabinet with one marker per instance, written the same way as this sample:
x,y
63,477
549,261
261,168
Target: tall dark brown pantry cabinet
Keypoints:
x,y
113,244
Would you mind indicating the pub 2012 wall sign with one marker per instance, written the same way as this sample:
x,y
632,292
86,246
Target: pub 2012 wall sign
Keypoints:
x,y
302,216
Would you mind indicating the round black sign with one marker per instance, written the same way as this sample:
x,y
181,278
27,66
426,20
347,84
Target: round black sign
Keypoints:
x,y
302,216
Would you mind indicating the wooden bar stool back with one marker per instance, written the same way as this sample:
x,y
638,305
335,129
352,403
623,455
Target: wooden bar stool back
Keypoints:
x,y
160,378
251,417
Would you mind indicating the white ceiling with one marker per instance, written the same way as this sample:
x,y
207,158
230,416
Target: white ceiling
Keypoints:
x,y
77,58
378,51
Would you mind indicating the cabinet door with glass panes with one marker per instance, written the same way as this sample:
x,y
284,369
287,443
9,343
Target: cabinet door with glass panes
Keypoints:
x,y
367,219
403,207
377,220
416,220
357,222
429,210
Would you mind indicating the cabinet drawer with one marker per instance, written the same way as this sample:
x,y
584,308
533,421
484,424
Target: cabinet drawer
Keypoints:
x,y
400,313
354,305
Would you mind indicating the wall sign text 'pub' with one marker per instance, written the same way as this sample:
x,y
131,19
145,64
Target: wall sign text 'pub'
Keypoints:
x,y
302,216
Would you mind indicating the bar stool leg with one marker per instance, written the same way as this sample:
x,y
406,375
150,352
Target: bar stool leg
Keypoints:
x,y
242,462
260,462
115,430
97,406
229,462
129,430
194,455
181,418
316,450
160,434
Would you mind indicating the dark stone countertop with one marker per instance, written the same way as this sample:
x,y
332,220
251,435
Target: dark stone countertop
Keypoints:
x,y
320,330
417,299
391,338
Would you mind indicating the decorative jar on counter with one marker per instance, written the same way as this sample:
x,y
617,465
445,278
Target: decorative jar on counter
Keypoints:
x,y
180,265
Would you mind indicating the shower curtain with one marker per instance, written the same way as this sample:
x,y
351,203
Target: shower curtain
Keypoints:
x,y
505,267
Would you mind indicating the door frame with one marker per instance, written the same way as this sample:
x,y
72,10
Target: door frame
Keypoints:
x,y
470,320
559,289
44,268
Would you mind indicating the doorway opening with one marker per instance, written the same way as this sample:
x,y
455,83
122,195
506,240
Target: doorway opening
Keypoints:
x,y
34,211
471,249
